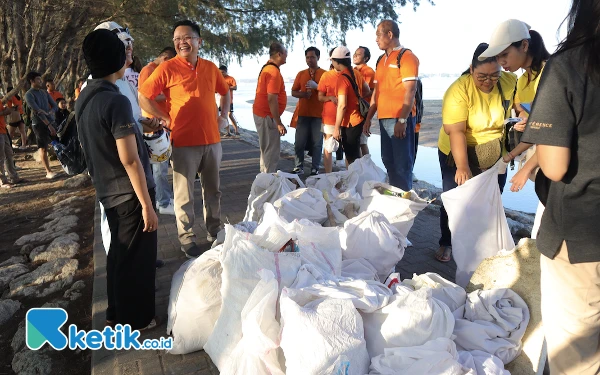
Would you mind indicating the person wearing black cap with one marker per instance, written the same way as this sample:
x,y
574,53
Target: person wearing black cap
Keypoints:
x,y
118,163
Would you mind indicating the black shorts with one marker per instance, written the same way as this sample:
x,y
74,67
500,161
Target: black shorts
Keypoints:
x,y
17,123
351,141
230,108
42,134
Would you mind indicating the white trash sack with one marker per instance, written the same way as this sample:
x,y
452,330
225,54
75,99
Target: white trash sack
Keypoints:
x,y
257,352
316,332
436,357
367,170
494,321
400,212
195,302
477,221
441,289
331,145
306,203
482,363
341,188
359,268
267,187
241,260
411,319
371,236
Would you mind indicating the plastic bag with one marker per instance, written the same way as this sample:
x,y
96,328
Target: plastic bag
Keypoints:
x,y
315,333
195,302
410,319
257,351
482,363
372,237
359,268
306,203
477,221
367,170
266,187
400,212
331,145
441,289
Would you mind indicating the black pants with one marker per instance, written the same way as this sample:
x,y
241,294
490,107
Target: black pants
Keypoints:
x,y
351,141
131,265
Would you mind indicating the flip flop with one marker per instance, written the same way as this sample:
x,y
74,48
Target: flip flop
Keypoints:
x,y
444,254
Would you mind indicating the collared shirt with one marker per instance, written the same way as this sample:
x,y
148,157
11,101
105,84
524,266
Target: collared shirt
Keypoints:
x,y
352,116
390,82
328,85
270,81
369,75
310,107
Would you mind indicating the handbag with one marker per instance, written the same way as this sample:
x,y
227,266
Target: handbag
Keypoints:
x,y
363,105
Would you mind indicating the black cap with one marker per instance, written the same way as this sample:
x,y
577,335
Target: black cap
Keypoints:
x,y
104,53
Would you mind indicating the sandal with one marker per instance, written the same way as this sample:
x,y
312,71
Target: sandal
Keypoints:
x,y
444,254
155,322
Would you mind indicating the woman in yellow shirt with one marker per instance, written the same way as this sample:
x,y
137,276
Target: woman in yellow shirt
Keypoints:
x,y
473,113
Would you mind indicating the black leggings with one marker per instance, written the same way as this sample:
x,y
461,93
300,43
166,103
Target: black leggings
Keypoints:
x,y
351,141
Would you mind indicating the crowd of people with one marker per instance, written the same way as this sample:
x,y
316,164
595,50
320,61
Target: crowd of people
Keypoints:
x,y
121,101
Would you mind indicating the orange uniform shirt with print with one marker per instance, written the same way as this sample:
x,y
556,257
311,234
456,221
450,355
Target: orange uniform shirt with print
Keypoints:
x,y
390,82
55,95
369,75
327,85
2,121
77,92
352,115
190,93
14,102
230,82
144,74
310,107
270,81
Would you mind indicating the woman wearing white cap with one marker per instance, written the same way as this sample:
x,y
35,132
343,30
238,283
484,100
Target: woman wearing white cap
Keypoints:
x,y
470,140
517,47
565,126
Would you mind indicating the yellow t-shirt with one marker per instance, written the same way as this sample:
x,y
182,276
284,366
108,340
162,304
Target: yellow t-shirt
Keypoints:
x,y
484,113
526,89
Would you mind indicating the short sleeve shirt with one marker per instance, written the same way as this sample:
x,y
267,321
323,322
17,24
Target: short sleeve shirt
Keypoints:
x,y
565,113
310,107
14,102
327,85
55,95
369,75
270,81
231,83
352,116
144,74
483,113
190,92
527,87
390,82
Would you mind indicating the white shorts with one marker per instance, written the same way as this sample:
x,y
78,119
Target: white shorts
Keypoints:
x,y
363,139
328,129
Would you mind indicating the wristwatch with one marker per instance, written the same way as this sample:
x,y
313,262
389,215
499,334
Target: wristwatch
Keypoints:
x,y
402,120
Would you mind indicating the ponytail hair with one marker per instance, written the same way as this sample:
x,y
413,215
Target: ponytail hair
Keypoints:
x,y
537,50
475,62
348,64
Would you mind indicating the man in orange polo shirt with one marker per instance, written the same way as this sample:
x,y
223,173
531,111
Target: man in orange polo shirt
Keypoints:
x,y
232,87
51,88
309,112
361,57
393,99
269,104
189,84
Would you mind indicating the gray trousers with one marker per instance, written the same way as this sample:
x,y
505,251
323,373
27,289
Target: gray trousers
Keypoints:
x,y
6,160
206,160
269,143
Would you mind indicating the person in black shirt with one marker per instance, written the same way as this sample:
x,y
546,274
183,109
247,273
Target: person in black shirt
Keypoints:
x,y
565,126
118,163
63,113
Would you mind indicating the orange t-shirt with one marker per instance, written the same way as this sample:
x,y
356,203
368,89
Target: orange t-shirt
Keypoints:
x,y
390,79
270,81
327,86
418,128
55,95
190,93
144,74
369,75
2,121
77,92
14,102
352,115
230,82
310,107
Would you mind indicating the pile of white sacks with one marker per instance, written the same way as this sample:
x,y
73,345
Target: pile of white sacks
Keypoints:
x,y
283,294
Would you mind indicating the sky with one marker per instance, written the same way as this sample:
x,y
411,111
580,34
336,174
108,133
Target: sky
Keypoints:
x,y
443,36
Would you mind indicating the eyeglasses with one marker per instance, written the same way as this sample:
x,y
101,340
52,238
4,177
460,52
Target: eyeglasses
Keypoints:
x,y
492,77
185,38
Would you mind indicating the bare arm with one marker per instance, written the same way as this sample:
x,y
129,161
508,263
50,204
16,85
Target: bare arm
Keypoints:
x,y
128,154
339,116
554,161
324,98
409,98
152,107
366,91
458,147
372,110
300,94
274,107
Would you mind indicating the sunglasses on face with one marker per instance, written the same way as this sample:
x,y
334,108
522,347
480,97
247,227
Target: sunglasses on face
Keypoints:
x,y
492,77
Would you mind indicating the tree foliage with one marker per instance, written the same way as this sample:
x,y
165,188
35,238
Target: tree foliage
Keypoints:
x,y
46,35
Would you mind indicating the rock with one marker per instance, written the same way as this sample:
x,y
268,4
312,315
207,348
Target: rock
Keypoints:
x,y
18,341
73,295
13,260
518,270
63,211
29,362
517,228
78,285
68,202
81,180
59,195
8,308
521,217
26,249
61,247
74,291
60,223
44,236
58,304
9,273
47,279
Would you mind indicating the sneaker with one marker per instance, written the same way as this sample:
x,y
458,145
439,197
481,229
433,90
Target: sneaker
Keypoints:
x,y
23,147
50,175
298,171
191,250
227,135
167,210
314,172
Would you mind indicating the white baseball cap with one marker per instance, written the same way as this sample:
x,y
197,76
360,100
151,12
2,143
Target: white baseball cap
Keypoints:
x,y
504,35
341,53
122,32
